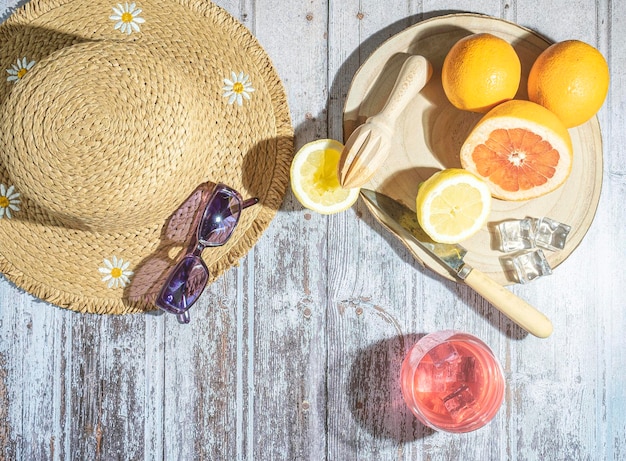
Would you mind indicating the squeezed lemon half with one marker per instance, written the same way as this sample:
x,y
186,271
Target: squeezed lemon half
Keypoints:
x,y
315,181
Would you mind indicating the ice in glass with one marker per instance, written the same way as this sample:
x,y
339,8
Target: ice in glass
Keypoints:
x,y
452,382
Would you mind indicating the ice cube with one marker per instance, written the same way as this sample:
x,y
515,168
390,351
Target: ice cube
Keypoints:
x,y
431,379
443,354
550,234
530,265
516,234
459,403
462,370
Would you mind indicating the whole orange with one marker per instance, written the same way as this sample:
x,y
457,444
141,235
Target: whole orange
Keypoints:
x,y
480,71
571,79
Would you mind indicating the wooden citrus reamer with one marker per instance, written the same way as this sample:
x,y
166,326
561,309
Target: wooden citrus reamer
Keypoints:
x,y
368,146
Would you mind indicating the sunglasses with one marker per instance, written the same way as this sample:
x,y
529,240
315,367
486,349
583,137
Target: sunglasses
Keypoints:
x,y
217,217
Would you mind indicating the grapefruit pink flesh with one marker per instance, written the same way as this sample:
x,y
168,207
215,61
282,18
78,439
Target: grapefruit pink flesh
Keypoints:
x,y
516,159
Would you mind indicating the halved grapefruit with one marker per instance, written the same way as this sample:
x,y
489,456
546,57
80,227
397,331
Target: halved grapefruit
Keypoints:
x,y
521,150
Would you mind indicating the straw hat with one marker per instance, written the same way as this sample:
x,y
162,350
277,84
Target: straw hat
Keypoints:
x,y
112,116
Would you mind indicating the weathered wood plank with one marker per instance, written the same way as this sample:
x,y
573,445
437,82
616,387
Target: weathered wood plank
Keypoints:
x,y
563,378
366,417
289,343
93,356
200,375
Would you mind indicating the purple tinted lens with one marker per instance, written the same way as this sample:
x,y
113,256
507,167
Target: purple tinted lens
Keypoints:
x,y
220,218
184,285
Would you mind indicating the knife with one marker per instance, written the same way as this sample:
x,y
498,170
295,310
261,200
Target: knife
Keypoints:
x,y
402,221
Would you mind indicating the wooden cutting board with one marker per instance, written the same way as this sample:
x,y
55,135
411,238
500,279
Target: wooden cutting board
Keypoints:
x,y
430,131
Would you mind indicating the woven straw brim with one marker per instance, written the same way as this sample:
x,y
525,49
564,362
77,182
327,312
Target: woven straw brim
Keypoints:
x,y
108,137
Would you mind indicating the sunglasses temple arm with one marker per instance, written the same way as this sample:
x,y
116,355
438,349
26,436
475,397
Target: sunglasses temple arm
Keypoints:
x,y
183,317
249,202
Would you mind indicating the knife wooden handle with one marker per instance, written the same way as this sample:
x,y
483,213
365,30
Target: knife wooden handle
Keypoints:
x,y
515,308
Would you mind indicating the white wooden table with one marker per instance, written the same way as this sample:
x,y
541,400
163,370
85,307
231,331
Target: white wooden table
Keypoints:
x,y
295,354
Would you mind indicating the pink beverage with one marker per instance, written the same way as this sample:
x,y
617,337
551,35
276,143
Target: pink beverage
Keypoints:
x,y
452,382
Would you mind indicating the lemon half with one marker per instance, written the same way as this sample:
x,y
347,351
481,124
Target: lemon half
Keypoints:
x,y
315,180
452,205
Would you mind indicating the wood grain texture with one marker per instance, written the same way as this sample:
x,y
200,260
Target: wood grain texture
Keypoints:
x,y
295,353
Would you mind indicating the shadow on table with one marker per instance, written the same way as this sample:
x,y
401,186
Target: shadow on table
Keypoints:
x,y
374,394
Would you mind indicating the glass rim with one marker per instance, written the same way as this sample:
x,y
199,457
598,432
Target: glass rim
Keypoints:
x,y
416,354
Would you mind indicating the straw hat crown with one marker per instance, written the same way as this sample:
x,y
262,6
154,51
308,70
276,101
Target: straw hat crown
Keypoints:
x,y
105,154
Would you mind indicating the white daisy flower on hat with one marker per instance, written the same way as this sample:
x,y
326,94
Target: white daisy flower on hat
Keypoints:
x,y
116,272
8,201
17,71
237,87
127,17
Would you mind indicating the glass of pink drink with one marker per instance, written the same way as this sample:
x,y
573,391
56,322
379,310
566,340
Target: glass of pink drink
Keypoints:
x,y
452,382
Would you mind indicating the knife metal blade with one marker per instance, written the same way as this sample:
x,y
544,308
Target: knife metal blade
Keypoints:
x,y
450,255
402,221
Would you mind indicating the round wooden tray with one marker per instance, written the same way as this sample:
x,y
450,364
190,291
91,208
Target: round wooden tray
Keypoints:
x,y
430,132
